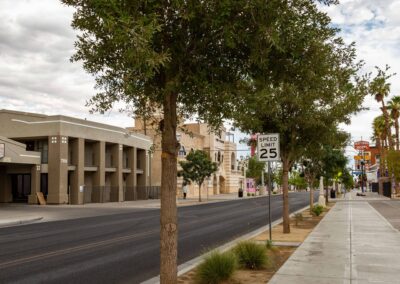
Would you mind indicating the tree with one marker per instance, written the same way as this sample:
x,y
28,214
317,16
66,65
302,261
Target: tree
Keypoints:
x,y
394,107
380,136
176,58
197,168
302,89
297,180
315,153
255,168
380,88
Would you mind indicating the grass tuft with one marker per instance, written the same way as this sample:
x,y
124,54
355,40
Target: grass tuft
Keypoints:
x,y
251,255
216,267
317,210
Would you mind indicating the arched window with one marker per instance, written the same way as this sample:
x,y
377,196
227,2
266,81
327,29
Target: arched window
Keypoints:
x,y
219,156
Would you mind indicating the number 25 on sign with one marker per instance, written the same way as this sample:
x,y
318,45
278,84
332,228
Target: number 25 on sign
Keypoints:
x,y
268,147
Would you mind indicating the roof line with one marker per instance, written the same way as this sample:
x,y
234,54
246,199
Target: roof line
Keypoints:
x,y
80,124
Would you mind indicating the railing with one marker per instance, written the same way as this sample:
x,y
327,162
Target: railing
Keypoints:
x,y
101,194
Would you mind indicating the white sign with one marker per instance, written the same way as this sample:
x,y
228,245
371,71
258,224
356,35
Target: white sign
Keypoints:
x,y
268,147
2,150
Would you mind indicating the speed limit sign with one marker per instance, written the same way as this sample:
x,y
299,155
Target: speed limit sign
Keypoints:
x,y
268,147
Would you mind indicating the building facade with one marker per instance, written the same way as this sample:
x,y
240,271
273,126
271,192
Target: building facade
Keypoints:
x,y
197,136
69,160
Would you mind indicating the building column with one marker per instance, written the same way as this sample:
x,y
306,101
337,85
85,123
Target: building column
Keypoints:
x,y
131,177
58,170
78,176
117,188
35,184
99,177
142,161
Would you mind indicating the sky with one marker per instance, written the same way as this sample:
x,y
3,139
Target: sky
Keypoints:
x,y
37,41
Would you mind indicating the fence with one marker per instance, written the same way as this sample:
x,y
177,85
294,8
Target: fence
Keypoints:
x,y
101,194
141,193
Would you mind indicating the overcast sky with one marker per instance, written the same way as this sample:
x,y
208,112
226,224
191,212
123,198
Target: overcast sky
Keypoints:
x,y
36,42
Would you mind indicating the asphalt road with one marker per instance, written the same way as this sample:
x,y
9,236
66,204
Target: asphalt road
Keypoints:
x,y
124,248
390,209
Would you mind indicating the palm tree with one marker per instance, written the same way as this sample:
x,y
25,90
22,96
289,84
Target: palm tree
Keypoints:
x,y
380,137
380,88
394,107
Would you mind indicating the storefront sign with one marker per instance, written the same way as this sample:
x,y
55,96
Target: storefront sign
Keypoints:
x,y
361,145
365,158
2,150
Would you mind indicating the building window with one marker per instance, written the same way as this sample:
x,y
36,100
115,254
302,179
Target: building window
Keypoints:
x,y
42,146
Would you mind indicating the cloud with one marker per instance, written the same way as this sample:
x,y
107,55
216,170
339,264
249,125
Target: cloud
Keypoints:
x,y
374,27
36,43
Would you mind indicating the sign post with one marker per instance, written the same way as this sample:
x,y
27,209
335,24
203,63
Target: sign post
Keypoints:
x,y
362,146
268,151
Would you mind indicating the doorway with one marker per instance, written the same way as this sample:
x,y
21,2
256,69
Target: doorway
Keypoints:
x,y
20,187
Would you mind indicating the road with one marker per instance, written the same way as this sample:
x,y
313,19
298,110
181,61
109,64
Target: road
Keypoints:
x,y
124,248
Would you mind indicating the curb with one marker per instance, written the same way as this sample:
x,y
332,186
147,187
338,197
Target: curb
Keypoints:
x,y
19,222
189,265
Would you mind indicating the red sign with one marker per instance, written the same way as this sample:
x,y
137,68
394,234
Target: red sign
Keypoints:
x,y
361,145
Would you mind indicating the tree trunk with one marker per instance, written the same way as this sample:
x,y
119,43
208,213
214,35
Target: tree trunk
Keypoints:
x,y
396,125
389,130
168,214
199,192
285,195
311,197
380,148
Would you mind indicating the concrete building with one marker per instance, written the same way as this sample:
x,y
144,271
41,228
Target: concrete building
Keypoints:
x,y
69,160
197,136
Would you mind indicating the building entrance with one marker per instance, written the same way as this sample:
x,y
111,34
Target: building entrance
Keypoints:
x,y
20,187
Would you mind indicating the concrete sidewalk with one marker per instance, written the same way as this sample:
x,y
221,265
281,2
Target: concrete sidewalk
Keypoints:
x,y
352,244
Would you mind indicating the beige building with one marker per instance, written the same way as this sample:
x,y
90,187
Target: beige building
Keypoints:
x,y
197,136
69,160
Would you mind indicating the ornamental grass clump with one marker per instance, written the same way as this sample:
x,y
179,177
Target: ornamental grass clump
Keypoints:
x,y
251,255
317,210
216,267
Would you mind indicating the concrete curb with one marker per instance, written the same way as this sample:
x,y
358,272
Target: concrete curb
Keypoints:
x,y
19,222
189,265
221,200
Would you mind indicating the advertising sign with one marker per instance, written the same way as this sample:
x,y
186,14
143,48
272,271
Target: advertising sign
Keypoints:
x,y
2,150
268,147
365,158
361,145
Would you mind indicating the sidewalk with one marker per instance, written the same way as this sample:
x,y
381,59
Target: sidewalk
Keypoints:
x,y
352,244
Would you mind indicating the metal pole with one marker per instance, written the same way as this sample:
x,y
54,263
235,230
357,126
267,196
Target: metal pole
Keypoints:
x,y
269,201
362,172
262,178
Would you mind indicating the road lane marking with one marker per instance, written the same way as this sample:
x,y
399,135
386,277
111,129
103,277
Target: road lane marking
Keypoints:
x,y
74,249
